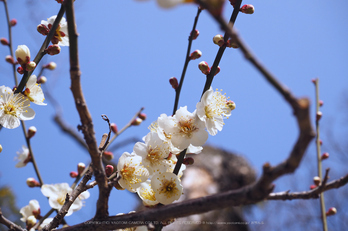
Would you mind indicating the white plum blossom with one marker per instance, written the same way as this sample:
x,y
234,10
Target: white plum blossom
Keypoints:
x,y
153,153
167,187
57,194
61,35
23,157
212,109
14,107
147,194
131,171
22,54
34,92
183,128
33,209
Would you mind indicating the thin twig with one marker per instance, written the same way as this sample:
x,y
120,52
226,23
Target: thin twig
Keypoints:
x,y
9,224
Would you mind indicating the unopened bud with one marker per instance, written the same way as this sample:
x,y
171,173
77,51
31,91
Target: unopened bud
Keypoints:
x,y
109,169
53,49
314,81
219,40
174,82
9,59
312,187
321,103
217,70
22,54
231,44
320,142
42,29
204,67
196,55
137,121
114,128
51,66
194,34
331,211
325,156
20,70
316,180
41,79
31,182
30,66
80,168
247,9
31,131
108,155
188,161
142,116
0,148
13,22
30,222
4,41
73,174
319,115
231,105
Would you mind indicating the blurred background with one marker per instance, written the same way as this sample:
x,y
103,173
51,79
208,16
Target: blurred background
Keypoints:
x,y
129,50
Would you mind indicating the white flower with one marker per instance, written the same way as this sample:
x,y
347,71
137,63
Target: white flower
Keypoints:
x,y
167,187
34,92
57,194
23,157
61,36
14,107
212,109
33,209
43,224
131,171
184,128
22,54
147,194
153,153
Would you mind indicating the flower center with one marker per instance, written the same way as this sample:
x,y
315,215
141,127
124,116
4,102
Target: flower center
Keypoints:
x,y
169,188
14,105
61,200
187,127
127,174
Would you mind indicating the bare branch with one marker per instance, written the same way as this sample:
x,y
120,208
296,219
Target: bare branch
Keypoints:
x,y
9,224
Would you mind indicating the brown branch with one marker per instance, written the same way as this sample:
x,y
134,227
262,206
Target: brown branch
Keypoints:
x,y
9,224
86,120
312,194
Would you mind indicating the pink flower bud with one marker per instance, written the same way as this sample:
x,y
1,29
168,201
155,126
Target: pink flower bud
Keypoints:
x,y
114,128
4,41
319,115
30,66
53,49
204,67
80,168
109,169
108,155
174,82
196,55
325,156
142,116
31,182
217,70
42,29
41,79
13,22
51,66
137,122
195,34
331,211
60,1
230,104
247,9
9,59
32,130
316,180
188,161
314,81
321,103
312,187
73,174
219,40
20,70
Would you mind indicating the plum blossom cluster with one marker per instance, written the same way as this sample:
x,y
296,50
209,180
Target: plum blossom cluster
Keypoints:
x,y
148,170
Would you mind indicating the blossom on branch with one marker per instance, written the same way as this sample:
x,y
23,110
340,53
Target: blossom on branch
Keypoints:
x,y
34,92
14,107
147,194
60,36
167,187
33,209
23,157
57,194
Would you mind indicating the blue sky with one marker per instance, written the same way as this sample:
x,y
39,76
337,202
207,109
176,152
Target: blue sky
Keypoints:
x,y
128,52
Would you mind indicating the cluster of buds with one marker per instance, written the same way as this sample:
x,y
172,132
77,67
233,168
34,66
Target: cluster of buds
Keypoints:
x,y
53,49
23,58
220,41
80,168
141,117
